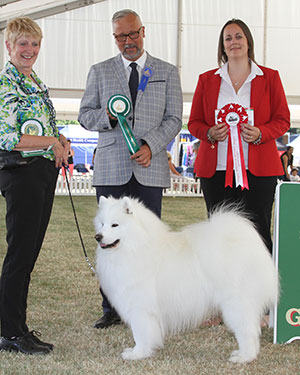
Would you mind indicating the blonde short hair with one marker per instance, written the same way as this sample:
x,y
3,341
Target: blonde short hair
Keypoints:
x,y
22,26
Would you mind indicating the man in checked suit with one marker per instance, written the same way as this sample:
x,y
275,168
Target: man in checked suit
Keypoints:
x,y
155,120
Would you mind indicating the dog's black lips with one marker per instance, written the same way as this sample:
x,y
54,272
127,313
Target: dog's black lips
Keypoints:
x,y
114,244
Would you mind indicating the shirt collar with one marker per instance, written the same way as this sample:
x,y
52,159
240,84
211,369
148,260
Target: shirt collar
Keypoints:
x,y
255,71
20,77
140,61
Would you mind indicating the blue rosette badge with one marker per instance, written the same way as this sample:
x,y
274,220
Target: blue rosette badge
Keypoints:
x,y
119,106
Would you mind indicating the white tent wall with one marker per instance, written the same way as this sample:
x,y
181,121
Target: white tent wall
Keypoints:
x,y
283,36
202,23
76,39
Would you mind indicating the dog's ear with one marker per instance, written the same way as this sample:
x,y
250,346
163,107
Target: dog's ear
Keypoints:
x,y
127,205
102,200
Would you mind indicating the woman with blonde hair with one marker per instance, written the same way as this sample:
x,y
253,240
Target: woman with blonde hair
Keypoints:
x,y
27,127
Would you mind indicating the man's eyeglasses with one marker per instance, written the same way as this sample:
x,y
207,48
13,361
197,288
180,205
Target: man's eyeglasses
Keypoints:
x,y
133,35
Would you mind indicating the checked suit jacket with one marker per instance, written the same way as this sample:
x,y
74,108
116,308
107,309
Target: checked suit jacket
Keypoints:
x,y
157,120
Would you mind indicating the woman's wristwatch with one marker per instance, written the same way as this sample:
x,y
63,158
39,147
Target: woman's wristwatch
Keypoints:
x,y
209,137
258,140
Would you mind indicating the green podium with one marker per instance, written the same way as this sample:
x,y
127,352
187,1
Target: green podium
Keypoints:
x,y
287,259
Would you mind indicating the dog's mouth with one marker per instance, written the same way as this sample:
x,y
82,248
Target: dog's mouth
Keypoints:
x,y
109,246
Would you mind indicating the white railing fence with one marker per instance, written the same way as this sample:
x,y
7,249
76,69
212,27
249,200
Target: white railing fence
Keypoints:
x,y
184,187
79,185
82,185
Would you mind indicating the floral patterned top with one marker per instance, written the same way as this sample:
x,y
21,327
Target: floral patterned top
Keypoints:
x,y
25,108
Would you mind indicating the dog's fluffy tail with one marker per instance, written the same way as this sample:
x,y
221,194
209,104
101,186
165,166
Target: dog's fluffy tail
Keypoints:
x,y
249,249
231,208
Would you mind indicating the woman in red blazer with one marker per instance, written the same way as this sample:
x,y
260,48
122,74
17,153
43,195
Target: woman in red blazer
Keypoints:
x,y
239,80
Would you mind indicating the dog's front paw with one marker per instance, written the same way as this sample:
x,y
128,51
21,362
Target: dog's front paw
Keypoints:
x,y
126,350
135,353
237,357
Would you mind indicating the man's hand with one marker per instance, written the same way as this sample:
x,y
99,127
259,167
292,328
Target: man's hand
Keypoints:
x,y
143,156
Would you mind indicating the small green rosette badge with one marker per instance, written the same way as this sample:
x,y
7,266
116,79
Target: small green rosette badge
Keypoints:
x,y
119,106
34,127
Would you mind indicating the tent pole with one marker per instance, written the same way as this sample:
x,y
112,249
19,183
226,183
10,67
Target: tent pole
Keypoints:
x,y
179,66
179,35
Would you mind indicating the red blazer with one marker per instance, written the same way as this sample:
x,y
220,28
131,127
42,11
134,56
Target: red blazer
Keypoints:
x,y
271,116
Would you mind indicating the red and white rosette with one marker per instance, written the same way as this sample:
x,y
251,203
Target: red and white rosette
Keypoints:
x,y
234,115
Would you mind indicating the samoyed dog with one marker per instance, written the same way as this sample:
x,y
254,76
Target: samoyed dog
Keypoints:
x,y
162,282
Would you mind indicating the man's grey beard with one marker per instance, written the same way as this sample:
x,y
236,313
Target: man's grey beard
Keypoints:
x,y
137,54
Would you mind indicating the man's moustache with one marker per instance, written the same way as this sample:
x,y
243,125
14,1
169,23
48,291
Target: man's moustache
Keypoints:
x,y
129,46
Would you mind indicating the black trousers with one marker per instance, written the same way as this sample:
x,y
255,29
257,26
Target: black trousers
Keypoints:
x,y
29,193
151,196
257,201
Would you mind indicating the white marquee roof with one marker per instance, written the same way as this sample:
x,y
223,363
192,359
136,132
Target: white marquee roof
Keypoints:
x,y
38,8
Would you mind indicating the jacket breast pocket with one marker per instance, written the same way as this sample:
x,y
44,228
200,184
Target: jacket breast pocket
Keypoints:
x,y
157,81
155,95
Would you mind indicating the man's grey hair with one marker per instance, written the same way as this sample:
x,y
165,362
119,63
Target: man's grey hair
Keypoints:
x,y
123,13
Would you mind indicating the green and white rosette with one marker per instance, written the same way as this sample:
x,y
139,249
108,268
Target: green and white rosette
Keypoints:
x,y
34,127
119,106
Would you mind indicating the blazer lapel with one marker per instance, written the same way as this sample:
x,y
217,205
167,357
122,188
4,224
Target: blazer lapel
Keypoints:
x,y
121,75
151,64
257,91
212,90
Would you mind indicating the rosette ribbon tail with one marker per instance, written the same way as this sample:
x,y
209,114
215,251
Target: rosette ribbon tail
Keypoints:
x,y
128,135
245,184
229,165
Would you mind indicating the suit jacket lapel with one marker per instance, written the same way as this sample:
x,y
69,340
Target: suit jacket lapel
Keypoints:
x,y
121,75
257,91
213,90
150,62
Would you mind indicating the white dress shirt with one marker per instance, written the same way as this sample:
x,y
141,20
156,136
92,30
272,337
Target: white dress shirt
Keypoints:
x,y
141,61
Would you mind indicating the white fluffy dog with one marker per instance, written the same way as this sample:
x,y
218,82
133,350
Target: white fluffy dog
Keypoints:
x,y
162,282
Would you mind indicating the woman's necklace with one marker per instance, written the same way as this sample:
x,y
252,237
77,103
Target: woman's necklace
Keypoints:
x,y
241,78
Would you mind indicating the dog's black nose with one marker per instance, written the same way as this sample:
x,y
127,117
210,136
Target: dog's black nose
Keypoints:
x,y
98,237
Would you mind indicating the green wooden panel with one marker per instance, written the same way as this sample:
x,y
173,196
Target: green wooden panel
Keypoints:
x,y
288,259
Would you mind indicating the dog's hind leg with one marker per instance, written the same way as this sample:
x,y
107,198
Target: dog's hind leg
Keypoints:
x,y
245,324
147,334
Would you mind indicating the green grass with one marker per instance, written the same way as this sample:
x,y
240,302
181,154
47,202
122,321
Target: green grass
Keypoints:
x,y
64,301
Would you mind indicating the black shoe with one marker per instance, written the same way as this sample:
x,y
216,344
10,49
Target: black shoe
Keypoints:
x,y
108,319
23,344
33,336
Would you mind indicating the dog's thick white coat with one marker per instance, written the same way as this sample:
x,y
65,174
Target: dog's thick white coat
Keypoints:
x,y
162,282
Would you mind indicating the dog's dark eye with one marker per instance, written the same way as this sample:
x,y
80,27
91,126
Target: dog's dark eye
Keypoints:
x,y
115,225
